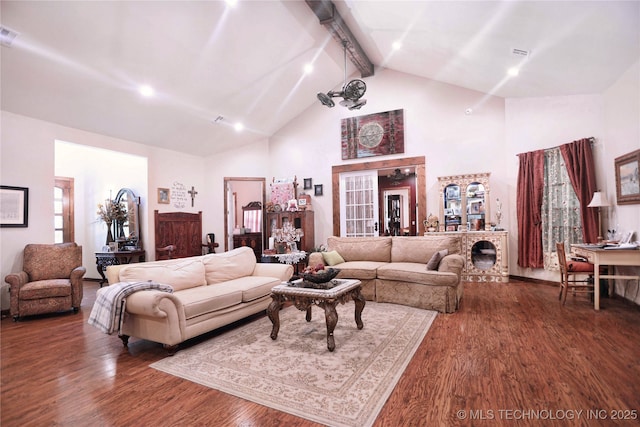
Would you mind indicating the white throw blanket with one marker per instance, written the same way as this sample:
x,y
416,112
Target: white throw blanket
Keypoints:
x,y
109,307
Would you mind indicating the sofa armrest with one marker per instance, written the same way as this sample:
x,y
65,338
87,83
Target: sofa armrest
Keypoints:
x,y
113,273
77,286
316,258
15,281
280,271
453,263
152,303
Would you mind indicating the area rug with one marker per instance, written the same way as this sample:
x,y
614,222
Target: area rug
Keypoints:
x,y
297,374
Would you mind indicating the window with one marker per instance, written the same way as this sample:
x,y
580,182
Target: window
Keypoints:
x,y
561,220
63,210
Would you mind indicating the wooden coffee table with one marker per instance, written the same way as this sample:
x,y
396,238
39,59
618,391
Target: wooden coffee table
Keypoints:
x,y
305,298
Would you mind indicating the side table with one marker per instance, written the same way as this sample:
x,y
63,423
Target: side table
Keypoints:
x,y
294,258
105,259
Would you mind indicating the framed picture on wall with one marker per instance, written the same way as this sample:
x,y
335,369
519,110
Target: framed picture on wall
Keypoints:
x,y
317,190
164,196
627,179
307,184
14,206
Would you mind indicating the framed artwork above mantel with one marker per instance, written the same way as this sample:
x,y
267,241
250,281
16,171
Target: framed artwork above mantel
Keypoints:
x,y
375,134
627,179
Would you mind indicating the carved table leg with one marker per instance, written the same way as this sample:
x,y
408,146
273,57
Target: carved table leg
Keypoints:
x,y
100,267
359,300
273,311
331,317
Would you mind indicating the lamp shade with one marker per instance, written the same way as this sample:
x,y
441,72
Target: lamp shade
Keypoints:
x,y
599,200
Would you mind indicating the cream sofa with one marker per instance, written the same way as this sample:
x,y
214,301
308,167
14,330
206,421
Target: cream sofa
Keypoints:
x,y
210,291
394,269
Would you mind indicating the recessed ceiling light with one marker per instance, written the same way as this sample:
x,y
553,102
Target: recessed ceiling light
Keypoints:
x,y
238,126
231,3
396,45
146,91
308,68
513,71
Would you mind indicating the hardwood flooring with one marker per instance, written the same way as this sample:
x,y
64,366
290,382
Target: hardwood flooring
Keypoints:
x,y
509,355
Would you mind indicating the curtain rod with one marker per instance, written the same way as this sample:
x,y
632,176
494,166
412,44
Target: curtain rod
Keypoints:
x,y
591,139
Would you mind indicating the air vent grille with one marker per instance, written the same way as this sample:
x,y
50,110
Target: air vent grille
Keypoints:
x,y
520,52
7,36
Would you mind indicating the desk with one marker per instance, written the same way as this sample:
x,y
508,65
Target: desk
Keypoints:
x,y
598,257
105,259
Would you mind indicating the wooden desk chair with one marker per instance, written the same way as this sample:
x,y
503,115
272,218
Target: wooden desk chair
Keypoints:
x,y
569,270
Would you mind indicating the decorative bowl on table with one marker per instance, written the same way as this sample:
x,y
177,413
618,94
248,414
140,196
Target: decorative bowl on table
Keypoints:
x,y
322,279
321,276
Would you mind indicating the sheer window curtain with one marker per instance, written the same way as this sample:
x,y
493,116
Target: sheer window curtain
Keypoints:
x,y
561,220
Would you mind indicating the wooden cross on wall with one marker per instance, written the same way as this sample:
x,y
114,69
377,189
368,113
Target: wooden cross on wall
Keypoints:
x,y
192,193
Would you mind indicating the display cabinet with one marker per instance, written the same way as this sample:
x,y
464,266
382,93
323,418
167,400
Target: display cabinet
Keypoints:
x,y
464,202
298,219
486,255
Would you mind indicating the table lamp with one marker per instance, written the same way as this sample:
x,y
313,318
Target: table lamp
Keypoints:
x,y
599,200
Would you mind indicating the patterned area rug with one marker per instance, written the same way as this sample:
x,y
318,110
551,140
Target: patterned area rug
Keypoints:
x,y
297,374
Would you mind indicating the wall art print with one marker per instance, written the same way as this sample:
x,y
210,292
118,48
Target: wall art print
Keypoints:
x,y
628,178
376,134
14,206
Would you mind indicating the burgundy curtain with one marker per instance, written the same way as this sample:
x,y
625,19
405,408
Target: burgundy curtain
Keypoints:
x,y
578,159
529,193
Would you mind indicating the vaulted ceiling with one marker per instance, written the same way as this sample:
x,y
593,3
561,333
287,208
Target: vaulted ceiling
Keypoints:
x,y
80,63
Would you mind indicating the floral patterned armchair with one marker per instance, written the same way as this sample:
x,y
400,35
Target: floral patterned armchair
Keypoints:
x,y
51,280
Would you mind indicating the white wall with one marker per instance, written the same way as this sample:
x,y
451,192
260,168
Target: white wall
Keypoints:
x,y
436,127
622,136
95,183
28,160
565,119
612,118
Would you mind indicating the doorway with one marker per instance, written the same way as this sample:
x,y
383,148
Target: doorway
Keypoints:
x,y
239,192
63,215
417,163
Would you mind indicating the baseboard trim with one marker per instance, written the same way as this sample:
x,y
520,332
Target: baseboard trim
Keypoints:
x,y
534,280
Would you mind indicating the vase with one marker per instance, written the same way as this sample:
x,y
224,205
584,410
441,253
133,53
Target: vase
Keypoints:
x,y
109,234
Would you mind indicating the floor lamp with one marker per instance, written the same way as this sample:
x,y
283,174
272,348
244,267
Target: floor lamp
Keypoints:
x,y
599,201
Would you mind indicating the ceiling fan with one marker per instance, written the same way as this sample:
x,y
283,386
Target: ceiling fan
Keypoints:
x,y
351,92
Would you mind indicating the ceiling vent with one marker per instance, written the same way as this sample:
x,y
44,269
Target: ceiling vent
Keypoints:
x,y
521,52
7,36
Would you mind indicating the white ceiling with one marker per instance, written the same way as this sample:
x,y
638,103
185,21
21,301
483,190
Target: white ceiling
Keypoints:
x,y
79,63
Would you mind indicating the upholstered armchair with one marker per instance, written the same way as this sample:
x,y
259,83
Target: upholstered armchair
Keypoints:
x,y
51,280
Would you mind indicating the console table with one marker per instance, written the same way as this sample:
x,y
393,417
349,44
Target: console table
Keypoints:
x,y
105,259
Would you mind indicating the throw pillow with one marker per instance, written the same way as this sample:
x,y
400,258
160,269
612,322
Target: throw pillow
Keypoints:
x,y
332,258
434,262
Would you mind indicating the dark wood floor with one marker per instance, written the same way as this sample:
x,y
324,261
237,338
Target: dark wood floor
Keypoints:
x,y
511,348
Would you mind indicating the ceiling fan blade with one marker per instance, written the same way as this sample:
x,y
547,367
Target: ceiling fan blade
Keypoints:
x,y
326,99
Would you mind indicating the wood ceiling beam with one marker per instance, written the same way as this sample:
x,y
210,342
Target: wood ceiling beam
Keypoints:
x,y
329,17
